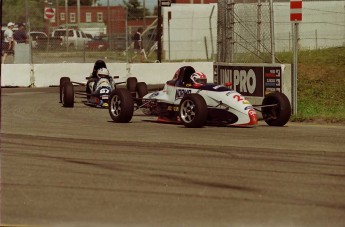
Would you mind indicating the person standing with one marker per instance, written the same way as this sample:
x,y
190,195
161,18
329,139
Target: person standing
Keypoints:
x,y
20,35
138,46
8,43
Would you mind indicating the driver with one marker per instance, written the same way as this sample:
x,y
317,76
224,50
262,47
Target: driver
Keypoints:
x,y
198,78
101,73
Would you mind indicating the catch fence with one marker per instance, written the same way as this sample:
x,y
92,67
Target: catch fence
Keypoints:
x,y
229,31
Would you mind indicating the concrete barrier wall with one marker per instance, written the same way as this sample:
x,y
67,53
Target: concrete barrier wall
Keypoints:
x,y
16,75
45,75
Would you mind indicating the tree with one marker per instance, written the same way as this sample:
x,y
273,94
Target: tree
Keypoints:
x,y
82,2
135,10
74,2
18,11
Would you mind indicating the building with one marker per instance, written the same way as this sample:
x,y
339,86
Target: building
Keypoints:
x,y
102,20
108,20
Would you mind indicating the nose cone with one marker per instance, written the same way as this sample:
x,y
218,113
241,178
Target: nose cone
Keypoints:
x,y
253,117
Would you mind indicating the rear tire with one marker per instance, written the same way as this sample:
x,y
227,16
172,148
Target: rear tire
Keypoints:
x,y
62,81
278,115
67,94
132,84
142,91
193,111
121,105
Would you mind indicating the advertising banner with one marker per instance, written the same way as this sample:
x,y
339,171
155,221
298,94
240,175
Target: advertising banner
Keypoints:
x,y
250,80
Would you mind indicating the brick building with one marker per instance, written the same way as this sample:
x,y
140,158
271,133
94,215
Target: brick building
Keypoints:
x,y
109,20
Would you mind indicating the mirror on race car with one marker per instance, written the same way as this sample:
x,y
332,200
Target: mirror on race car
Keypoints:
x,y
228,84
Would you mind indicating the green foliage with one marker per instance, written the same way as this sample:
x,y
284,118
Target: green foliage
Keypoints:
x,y
135,10
321,84
20,11
72,2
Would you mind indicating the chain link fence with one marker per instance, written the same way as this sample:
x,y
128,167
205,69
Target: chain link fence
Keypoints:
x,y
244,32
77,34
237,31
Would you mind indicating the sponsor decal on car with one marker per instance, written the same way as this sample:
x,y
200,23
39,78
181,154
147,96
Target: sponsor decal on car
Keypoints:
x,y
230,92
154,94
182,92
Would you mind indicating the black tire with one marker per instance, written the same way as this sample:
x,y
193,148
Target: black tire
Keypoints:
x,y
193,111
121,105
142,91
132,84
62,81
277,115
67,98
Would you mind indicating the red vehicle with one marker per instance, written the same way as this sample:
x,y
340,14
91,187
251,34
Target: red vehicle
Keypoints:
x,y
98,43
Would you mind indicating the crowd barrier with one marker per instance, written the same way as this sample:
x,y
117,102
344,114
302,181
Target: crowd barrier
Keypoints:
x,y
45,75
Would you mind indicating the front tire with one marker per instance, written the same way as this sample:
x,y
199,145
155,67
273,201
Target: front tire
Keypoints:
x,y
67,95
121,105
277,115
193,111
62,81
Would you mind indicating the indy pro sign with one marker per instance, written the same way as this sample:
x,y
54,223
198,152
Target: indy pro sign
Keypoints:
x,y
249,80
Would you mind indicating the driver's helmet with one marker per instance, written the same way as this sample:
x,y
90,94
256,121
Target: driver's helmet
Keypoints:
x,y
199,78
103,73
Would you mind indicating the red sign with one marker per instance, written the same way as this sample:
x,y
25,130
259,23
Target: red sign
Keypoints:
x,y
295,10
49,13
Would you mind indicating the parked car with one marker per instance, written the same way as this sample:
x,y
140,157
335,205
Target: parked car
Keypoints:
x,y
88,35
98,43
40,40
75,38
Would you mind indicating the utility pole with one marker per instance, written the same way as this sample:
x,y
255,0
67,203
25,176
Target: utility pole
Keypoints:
x,y
159,31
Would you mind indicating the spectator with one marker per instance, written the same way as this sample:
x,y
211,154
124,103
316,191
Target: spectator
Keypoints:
x,y
20,35
138,46
8,43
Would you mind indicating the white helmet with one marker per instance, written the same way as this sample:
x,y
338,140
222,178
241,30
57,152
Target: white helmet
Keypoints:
x,y
103,73
199,78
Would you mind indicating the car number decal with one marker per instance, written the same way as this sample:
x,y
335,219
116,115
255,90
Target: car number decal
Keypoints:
x,y
238,97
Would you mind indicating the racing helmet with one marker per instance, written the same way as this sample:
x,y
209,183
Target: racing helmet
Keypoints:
x,y
103,73
199,78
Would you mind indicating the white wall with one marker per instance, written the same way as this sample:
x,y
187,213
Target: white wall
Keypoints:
x,y
44,75
189,25
322,25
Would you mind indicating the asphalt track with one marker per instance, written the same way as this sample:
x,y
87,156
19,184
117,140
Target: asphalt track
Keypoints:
x,y
75,167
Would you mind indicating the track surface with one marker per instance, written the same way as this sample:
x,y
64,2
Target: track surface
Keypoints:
x,y
74,167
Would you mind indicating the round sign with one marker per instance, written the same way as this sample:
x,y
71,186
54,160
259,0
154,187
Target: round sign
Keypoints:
x,y
49,13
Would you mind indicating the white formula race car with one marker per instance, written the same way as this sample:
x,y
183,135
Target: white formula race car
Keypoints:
x,y
195,104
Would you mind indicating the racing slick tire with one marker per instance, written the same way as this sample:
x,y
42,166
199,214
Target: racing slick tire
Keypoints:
x,y
277,115
132,84
62,81
193,111
142,91
121,105
67,95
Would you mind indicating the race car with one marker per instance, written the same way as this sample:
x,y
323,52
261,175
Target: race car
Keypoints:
x,y
189,100
98,87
